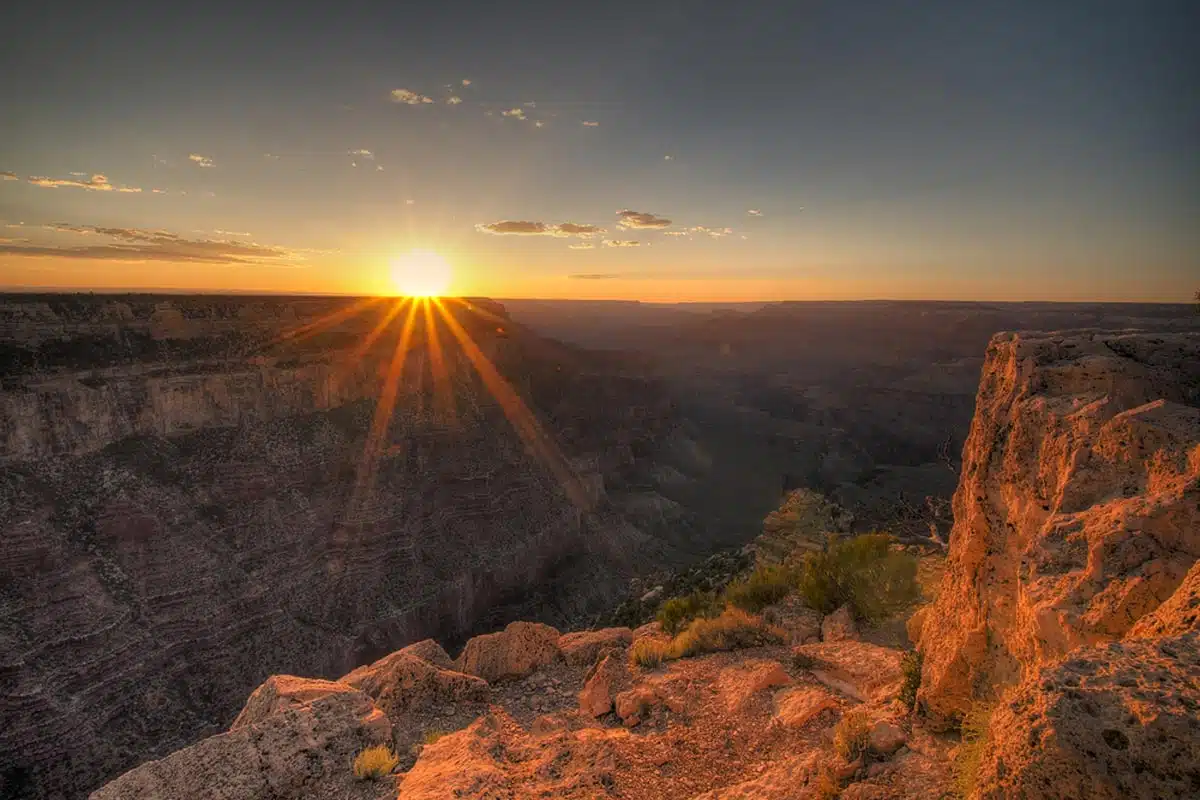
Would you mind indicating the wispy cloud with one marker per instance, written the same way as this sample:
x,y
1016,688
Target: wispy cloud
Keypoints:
x,y
9,176
582,246
621,243
668,158
515,113
754,212
587,123
675,233
715,233
639,219
539,124
135,244
201,161
409,97
527,228
96,183
466,81
453,100
361,153
594,276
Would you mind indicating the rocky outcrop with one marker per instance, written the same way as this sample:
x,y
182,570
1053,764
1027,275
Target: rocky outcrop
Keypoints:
x,y
584,647
1120,720
197,493
402,684
297,751
514,652
1078,509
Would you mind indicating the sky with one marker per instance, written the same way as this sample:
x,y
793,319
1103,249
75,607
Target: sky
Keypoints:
x,y
671,150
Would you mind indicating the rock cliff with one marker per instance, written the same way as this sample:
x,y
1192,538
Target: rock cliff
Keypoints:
x,y
196,493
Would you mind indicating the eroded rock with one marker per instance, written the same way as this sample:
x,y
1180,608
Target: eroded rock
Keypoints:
x,y
401,683
839,626
515,652
582,648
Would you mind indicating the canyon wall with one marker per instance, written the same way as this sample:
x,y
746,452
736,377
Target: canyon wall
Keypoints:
x,y
1078,508
196,493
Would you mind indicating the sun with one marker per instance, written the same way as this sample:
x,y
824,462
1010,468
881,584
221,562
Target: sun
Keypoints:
x,y
421,273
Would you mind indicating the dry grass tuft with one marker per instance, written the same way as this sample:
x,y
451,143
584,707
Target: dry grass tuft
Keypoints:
x,y
851,735
375,762
650,653
733,630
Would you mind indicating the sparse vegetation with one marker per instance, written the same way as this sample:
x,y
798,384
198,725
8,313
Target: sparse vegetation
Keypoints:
x,y
826,786
375,762
863,571
851,734
763,587
732,630
970,753
650,652
802,660
910,668
678,612
429,737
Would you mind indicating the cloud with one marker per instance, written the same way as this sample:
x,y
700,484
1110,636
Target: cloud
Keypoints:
x,y
590,124
160,161
621,243
409,97
638,219
367,154
582,246
526,228
231,233
594,276
515,113
675,233
577,229
453,100
270,156
668,158
135,244
158,191
466,81
9,176
539,124
715,233
754,212
96,183
200,161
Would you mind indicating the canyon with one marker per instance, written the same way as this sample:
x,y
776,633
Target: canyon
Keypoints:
x,y
1065,618
198,492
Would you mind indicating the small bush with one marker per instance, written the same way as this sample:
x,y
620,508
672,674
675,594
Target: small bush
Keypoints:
x,y
863,571
429,737
970,753
763,587
676,613
733,630
650,653
910,668
374,762
851,735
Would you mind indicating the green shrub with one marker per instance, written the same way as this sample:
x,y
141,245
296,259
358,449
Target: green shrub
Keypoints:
x,y
734,629
763,587
910,668
851,735
970,753
863,571
676,613
650,653
374,762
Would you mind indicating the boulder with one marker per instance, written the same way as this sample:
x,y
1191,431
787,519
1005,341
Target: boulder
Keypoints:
x,y
429,650
517,651
582,648
1078,508
301,750
603,684
886,737
1116,721
633,704
795,708
281,692
401,683
839,626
